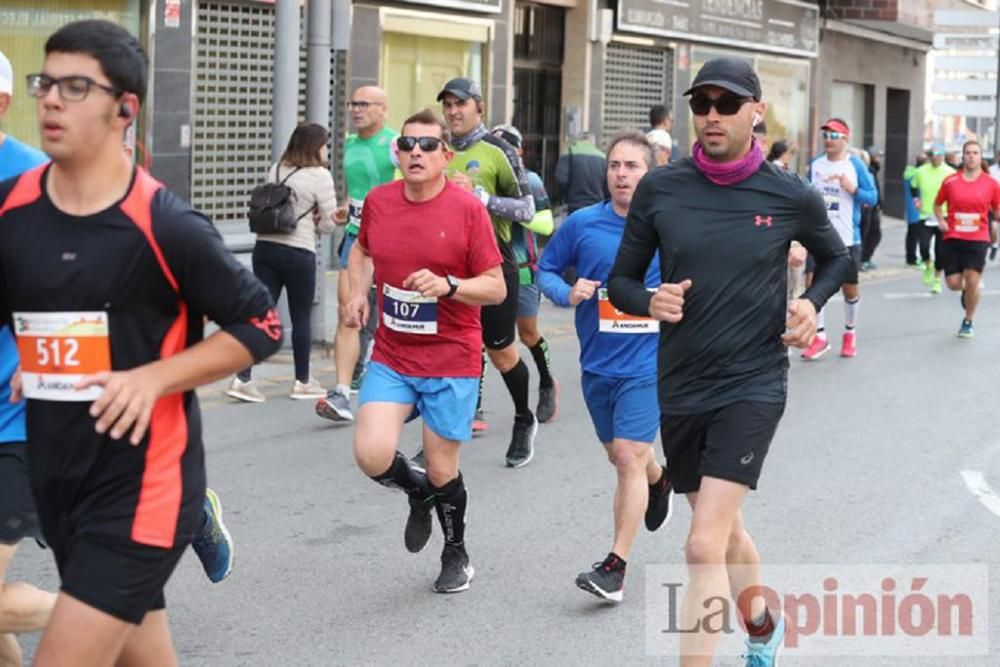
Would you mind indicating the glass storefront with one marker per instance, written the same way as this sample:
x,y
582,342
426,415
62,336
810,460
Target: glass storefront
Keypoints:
x,y
24,28
785,83
417,61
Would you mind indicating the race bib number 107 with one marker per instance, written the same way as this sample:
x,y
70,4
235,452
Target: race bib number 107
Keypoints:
x,y
409,312
57,350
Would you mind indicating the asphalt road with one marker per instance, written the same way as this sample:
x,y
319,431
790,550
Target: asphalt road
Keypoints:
x,y
866,470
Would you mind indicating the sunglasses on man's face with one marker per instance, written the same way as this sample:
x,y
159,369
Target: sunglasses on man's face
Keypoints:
x,y
726,105
833,136
427,144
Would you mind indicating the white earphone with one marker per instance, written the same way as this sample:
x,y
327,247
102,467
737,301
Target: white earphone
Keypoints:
x,y
756,119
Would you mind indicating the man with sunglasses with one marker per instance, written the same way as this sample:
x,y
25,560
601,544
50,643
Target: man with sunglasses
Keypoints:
x,y
722,221
490,168
109,327
435,262
367,163
847,187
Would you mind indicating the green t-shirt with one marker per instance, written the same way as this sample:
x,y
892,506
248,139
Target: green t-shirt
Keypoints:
x,y
367,163
486,163
927,182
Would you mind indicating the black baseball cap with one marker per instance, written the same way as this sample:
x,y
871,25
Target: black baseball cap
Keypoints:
x,y
461,88
734,74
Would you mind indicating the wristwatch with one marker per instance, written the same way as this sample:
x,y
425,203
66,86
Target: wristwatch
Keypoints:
x,y
452,285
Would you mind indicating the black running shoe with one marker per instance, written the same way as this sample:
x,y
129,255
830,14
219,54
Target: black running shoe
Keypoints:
x,y
418,461
605,581
548,403
456,572
522,443
419,524
658,509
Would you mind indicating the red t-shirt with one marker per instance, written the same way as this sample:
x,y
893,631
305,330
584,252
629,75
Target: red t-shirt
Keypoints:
x,y
969,205
448,235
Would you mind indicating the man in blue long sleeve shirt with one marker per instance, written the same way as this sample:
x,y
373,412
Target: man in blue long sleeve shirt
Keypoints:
x,y
617,356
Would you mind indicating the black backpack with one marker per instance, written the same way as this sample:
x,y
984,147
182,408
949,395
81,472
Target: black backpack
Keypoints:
x,y
272,207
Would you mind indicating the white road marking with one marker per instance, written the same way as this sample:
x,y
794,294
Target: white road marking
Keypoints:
x,y
980,488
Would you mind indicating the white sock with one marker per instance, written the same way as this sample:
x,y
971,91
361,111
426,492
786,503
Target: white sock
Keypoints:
x,y
820,324
851,313
343,390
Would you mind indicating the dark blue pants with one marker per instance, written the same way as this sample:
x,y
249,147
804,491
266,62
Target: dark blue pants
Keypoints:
x,y
294,269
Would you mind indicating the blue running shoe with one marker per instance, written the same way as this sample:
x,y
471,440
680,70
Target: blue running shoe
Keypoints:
x,y
966,331
213,544
766,655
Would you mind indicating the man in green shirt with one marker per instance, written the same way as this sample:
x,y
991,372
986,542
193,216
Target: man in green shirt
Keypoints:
x,y
926,183
367,163
488,167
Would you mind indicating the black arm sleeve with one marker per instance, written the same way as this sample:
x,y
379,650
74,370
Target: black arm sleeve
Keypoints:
x,y
627,283
833,262
211,280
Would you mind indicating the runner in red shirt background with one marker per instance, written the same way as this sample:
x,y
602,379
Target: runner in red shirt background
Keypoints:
x,y
969,197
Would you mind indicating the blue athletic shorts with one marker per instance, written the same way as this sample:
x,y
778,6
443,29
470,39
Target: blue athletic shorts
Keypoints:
x,y
446,404
345,249
528,300
626,408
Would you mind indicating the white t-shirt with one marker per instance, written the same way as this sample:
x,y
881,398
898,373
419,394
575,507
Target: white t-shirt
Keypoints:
x,y
995,172
839,202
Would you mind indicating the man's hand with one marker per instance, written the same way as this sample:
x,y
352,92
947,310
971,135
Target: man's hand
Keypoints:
x,y
917,203
797,256
667,304
848,184
127,402
942,224
801,324
16,386
340,215
427,283
583,289
463,181
355,313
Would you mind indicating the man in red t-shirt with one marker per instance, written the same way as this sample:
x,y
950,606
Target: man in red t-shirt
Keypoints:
x,y
971,195
435,256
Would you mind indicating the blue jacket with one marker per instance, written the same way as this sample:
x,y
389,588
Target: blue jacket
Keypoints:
x,y
865,195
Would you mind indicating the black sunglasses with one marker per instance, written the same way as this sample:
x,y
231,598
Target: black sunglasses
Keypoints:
x,y
726,105
427,144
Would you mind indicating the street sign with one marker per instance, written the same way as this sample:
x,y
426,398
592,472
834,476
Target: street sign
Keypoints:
x,y
978,87
967,41
987,109
969,18
985,64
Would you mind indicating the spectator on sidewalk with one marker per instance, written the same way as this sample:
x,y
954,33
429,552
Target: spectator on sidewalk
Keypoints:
x,y
871,216
580,171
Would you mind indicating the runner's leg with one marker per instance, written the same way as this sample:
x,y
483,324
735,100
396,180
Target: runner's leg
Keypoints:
x,y
82,636
151,638
347,342
630,459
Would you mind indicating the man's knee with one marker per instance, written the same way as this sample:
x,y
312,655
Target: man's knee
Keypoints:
x,y
954,281
703,548
504,359
627,458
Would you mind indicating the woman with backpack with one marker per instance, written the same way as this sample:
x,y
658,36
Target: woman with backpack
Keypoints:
x,y
288,214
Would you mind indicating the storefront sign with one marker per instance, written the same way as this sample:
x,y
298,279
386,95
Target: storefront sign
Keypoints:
x,y
781,26
486,6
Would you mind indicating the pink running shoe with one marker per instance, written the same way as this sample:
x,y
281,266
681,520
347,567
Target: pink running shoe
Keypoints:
x,y
819,347
849,346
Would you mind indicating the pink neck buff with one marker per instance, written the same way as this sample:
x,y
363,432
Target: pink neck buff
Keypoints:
x,y
728,173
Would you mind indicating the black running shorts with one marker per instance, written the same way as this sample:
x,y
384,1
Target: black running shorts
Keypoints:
x,y
122,578
500,321
728,443
958,255
18,518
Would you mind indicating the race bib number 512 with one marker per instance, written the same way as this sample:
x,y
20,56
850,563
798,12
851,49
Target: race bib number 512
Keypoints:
x,y
57,350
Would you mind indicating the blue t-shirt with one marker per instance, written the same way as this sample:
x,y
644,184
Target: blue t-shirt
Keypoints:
x,y
588,240
15,159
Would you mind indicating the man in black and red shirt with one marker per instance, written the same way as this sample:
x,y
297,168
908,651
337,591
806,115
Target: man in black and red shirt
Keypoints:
x,y
106,278
970,196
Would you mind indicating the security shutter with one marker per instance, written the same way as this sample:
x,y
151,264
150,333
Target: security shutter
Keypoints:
x,y
635,78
